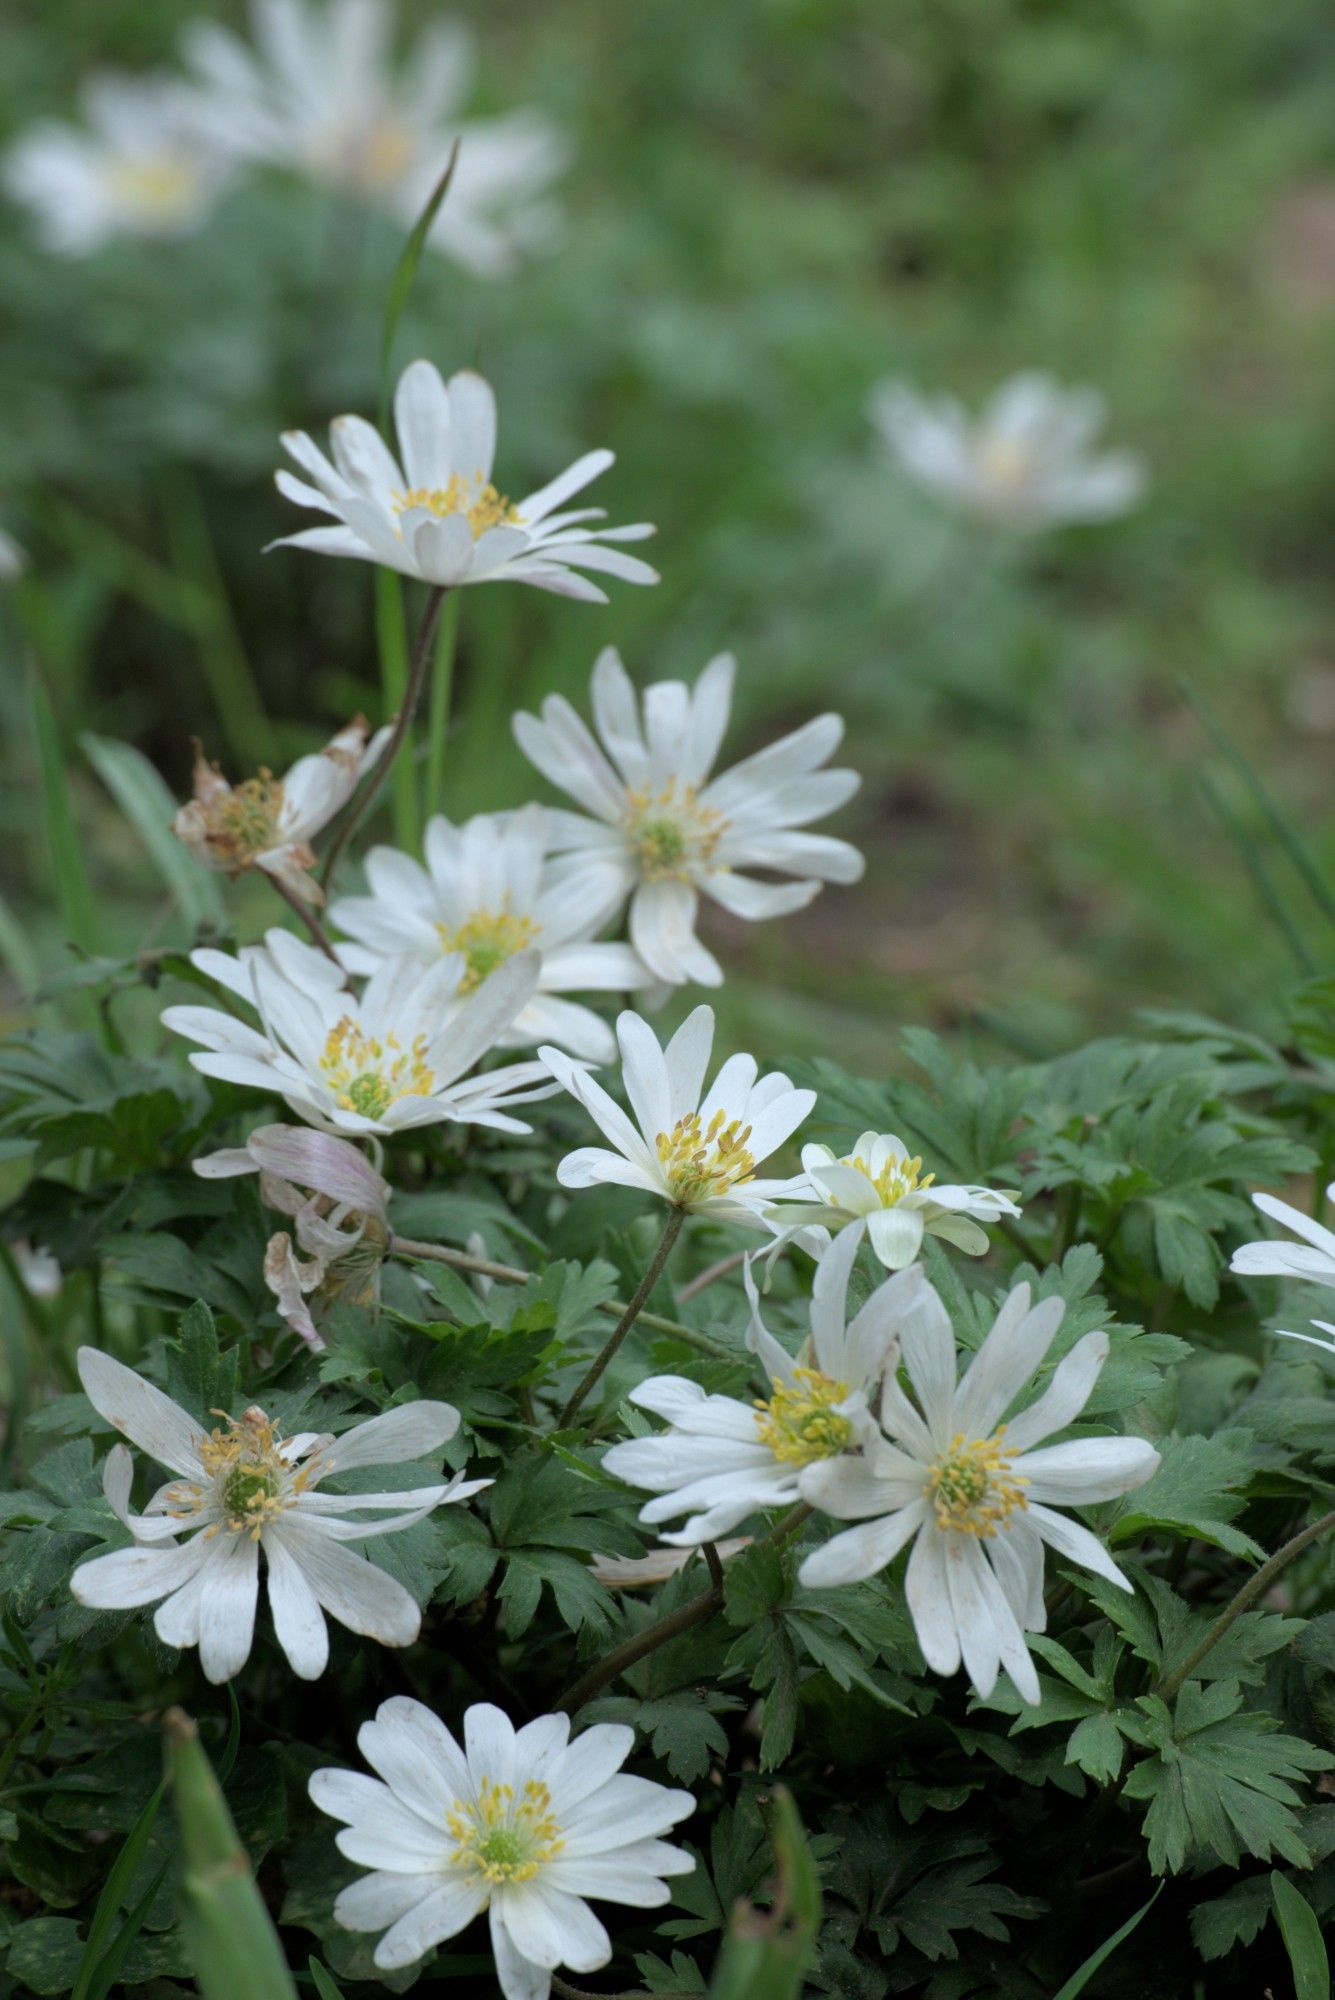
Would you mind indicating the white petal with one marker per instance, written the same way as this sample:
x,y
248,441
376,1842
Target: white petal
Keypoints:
x,y
1087,1469
227,1608
141,1413
412,1431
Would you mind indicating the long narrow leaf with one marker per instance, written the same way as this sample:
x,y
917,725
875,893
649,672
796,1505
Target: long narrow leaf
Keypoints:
x,y
148,805
18,951
1081,1977
1303,1941
62,834
401,284
113,1895
1260,874
326,1985
227,670
109,1966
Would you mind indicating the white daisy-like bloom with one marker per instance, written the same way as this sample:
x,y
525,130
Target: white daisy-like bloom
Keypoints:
x,y
696,1149
879,1183
13,558
339,1207
1312,1259
434,512
971,1492
485,894
720,1459
668,828
137,166
269,822
1028,462
321,94
392,1058
243,1488
524,1824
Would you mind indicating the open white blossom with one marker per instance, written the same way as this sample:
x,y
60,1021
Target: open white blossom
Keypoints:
x,y
269,822
524,1824
971,1492
880,1184
1027,462
696,1152
320,93
339,1207
389,1059
486,893
243,1488
434,512
720,1460
13,558
1311,1260
667,828
137,166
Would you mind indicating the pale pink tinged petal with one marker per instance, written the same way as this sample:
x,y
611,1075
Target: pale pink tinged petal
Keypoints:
x,y
1005,1363
141,1413
298,1620
130,1577
422,420
227,1608
413,1431
662,930
535,506
1074,1542
316,1160
1064,1398
1087,1470
927,1594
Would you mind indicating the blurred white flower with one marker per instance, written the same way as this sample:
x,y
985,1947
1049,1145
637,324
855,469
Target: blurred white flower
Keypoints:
x,y
243,1488
524,1824
13,558
388,1060
1312,1259
721,1459
440,517
667,828
970,1492
486,893
339,1205
699,1155
878,1182
137,166
269,822
1027,462
40,1271
320,93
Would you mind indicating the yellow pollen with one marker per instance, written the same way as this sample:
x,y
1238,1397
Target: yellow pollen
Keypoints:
x,y
501,1838
673,834
486,940
799,1422
475,498
245,820
973,1488
250,1479
1005,463
156,188
704,1160
384,156
897,1177
368,1076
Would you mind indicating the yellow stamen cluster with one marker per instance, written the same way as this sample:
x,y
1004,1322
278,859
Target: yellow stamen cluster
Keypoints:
x,y
486,940
799,1422
674,835
367,1075
249,1477
898,1177
384,156
157,187
476,499
701,1160
504,1839
973,1488
1005,462
240,821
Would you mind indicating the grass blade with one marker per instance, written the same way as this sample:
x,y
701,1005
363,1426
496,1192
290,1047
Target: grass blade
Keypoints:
x,y
401,284
1081,1977
18,951
1259,872
438,712
1301,1932
109,1967
113,1895
227,671
62,834
150,808
766,1951
326,1985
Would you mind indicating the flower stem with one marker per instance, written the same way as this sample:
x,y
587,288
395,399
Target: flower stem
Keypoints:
x,y
1255,1587
307,915
510,1274
705,1278
417,672
671,1231
438,708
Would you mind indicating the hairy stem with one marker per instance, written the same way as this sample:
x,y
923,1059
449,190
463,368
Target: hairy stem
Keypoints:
x,y
1255,1588
308,917
671,1231
417,673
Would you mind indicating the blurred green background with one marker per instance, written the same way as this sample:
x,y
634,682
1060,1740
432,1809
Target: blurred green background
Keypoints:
x,y
772,204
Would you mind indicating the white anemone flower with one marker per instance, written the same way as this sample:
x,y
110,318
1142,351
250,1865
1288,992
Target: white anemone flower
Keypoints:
x,y
434,512
269,822
1027,462
137,166
879,1183
13,558
486,893
243,1488
720,1459
1312,1259
668,828
319,93
339,1207
971,1492
388,1060
697,1152
524,1824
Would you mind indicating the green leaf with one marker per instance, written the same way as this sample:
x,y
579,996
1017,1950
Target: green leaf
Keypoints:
x,y
1081,1977
1302,1940
98,1968
766,1953
65,847
150,808
326,1985
1195,1493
